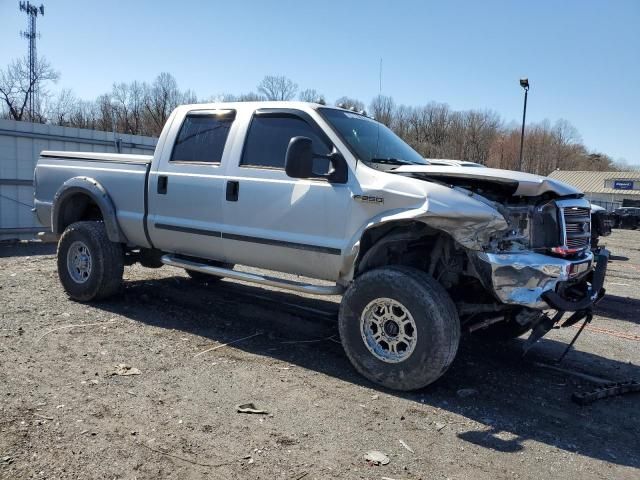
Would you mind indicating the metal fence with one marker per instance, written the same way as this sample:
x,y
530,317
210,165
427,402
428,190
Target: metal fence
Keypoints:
x,y
20,146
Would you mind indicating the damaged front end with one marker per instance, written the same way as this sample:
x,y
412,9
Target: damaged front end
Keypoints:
x,y
536,252
540,282
549,263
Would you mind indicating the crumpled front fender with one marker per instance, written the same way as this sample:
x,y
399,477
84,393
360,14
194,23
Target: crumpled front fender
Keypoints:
x,y
470,222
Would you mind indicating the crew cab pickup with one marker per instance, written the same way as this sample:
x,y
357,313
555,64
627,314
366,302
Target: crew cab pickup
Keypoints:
x,y
421,253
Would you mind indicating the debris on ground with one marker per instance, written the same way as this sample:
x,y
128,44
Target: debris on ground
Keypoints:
x,y
440,425
250,408
75,325
605,391
375,457
404,444
43,417
225,344
124,370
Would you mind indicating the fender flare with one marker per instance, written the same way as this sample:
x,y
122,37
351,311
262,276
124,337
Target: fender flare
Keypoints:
x,y
94,190
352,251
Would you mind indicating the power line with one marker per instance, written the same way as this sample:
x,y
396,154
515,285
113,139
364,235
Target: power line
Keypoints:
x,y
17,201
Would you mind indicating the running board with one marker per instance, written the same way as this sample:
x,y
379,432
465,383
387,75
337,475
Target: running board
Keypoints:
x,y
252,277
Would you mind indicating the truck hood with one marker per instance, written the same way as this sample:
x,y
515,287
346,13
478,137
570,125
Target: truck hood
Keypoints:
x,y
517,183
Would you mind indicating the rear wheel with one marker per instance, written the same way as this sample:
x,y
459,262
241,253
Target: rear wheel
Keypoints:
x,y
90,266
399,327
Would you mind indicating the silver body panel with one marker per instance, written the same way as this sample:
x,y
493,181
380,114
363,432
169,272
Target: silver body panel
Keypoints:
x,y
123,180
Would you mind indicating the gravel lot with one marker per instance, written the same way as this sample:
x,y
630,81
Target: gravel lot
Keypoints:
x,y
63,414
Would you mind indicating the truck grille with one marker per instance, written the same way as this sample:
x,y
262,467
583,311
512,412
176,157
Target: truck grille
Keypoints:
x,y
576,221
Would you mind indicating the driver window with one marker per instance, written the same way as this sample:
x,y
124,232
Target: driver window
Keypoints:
x,y
268,138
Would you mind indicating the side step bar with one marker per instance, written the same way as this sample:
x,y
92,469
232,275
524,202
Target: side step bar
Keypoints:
x,y
180,262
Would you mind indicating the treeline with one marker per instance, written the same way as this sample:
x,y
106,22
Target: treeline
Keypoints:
x,y
482,136
434,129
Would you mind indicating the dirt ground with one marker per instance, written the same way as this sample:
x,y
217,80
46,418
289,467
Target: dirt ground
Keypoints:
x,y
64,415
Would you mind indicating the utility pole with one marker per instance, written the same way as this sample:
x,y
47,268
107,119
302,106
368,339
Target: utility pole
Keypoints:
x,y
31,34
524,83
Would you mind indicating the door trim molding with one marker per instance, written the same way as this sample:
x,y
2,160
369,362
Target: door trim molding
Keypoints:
x,y
250,239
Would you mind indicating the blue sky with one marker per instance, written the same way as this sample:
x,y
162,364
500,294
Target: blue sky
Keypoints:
x,y
582,57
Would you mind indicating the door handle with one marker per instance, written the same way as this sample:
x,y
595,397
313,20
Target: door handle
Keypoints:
x,y
233,188
163,181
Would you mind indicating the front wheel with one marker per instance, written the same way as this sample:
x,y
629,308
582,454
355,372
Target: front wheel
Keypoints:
x,y
90,266
399,327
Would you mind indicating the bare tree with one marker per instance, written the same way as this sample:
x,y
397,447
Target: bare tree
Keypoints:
x,y
277,87
382,108
84,115
61,106
16,87
312,95
243,97
160,99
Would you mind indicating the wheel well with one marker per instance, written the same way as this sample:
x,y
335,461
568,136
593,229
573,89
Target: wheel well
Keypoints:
x,y
78,207
400,243
415,244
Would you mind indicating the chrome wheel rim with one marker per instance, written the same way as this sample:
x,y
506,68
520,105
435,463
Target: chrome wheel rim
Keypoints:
x,y
79,262
388,330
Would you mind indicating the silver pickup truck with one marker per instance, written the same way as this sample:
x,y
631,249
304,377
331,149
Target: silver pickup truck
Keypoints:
x,y
420,252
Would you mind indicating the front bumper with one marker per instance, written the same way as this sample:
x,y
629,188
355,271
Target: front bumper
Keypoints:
x,y
540,282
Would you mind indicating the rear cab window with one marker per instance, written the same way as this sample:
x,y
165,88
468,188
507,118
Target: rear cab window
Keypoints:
x,y
202,137
268,138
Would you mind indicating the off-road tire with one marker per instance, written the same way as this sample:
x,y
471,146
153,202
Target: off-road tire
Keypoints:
x,y
107,262
435,316
206,278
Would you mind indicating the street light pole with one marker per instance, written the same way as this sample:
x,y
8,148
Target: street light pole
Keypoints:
x,y
524,83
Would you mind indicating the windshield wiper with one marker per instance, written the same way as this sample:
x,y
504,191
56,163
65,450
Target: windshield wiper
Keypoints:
x,y
391,161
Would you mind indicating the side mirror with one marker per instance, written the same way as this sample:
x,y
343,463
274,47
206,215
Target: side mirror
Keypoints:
x,y
298,161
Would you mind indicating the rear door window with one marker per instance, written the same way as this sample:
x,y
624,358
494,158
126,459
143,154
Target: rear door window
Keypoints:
x,y
202,138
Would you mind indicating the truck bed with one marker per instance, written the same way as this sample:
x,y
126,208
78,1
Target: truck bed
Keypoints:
x,y
99,157
124,176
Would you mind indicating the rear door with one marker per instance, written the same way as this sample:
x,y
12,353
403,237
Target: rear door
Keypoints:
x,y
186,189
277,222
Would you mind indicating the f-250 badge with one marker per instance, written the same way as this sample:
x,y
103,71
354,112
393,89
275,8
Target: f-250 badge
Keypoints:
x,y
368,199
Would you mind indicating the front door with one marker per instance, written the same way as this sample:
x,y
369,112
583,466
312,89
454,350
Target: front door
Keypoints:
x,y
277,222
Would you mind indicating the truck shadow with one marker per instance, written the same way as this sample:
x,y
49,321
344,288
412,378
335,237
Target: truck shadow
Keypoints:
x,y
26,249
619,308
514,402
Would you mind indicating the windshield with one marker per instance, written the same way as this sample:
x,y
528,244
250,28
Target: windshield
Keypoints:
x,y
371,141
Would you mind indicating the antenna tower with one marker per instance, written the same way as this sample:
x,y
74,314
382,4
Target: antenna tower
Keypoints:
x,y
31,34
